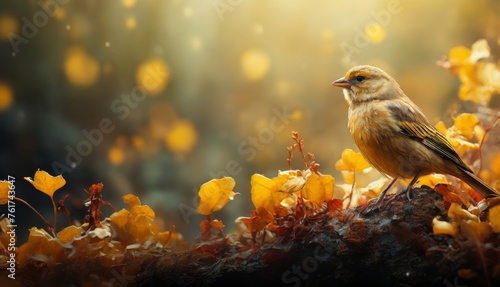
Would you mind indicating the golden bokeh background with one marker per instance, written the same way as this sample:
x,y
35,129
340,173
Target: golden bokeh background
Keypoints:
x,y
188,90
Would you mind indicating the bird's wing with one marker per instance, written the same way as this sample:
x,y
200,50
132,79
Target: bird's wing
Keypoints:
x,y
414,125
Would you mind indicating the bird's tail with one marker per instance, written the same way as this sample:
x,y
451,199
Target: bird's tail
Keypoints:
x,y
480,186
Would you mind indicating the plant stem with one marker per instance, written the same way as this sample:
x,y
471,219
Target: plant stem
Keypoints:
x,y
38,213
55,212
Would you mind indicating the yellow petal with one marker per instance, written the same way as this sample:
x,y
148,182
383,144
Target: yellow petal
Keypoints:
x,y
69,233
296,180
480,50
494,218
4,192
266,192
442,227
131,200
215,194
457,213
459,55
46,183
465,123
352,161
474,230
120,218
143,210
318,189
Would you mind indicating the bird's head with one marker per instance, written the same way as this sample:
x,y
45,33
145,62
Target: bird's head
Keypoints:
x,y
367,83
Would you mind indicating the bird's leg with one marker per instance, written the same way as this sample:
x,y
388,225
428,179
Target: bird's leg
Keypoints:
x,y
407,190
378,202
412,183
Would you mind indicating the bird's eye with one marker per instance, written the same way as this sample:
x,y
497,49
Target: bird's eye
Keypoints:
x,y
360,78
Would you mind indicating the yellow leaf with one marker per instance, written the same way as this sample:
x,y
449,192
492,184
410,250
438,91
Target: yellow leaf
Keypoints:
x,y
480,50
41,245
328,183
143,210
215,194
296,180
465,123
348,176
69,233
441,127
494,218
131,200
266,192
457,213
4,192
374,188
474,230
431,180
318,189
120,218
352,161
46,183
459,55
442,227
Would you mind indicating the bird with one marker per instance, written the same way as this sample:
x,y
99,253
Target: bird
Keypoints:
x,y
395,137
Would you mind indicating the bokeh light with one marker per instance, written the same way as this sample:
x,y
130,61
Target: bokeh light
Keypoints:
x,y
8,24
153,75
255,64
6,96
80,68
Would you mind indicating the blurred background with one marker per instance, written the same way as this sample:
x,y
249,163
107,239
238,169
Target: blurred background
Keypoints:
x,y
155,98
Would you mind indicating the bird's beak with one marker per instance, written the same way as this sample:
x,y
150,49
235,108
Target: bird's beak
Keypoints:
x,y
342,83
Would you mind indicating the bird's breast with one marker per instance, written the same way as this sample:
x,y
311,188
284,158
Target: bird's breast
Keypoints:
x,y
371,122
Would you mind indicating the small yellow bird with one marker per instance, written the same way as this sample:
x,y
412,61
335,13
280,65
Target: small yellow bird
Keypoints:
x,y
394,135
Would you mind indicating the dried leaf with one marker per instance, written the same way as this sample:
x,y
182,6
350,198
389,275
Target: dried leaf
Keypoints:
x,y
352,161
46,183
464,125
68,234
494,218
131,200
480,50
296,180
442,227
474,230
120,218
319,189
266,193
4,192
215,194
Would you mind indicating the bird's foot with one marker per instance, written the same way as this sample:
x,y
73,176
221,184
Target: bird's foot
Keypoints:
x,y
406,191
